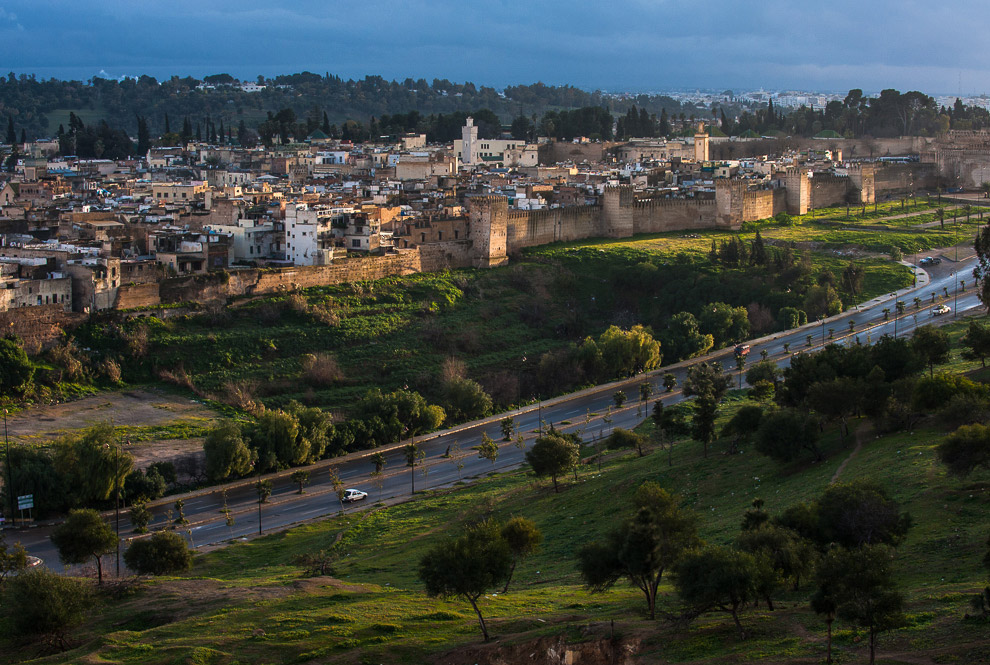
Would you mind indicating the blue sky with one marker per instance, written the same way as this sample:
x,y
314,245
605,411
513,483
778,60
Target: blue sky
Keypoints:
x,y
618,45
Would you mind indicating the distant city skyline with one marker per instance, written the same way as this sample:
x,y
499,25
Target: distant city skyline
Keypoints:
x,y
635,46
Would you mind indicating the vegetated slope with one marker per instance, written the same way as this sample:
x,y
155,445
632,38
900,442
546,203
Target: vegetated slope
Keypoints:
x,y
496,324
249,602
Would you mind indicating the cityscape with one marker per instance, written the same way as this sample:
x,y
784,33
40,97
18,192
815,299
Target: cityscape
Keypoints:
x,y
456,363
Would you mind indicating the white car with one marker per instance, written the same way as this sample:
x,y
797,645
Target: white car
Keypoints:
x,y
940,310
354,495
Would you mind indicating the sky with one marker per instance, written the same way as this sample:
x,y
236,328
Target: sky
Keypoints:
x,y
617,45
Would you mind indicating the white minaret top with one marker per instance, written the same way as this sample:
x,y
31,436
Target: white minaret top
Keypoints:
x,y
469,142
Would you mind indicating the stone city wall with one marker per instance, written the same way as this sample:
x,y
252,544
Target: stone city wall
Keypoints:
x,y
221,286
828,190
528,228
40,327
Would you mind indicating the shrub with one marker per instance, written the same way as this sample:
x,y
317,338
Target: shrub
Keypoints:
x,y
164,553
321,369
43,604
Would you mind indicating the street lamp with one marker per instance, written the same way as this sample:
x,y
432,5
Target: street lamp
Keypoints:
x,y
10,469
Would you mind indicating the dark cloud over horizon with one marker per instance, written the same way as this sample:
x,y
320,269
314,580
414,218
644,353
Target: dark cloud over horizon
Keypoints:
x,y
625,45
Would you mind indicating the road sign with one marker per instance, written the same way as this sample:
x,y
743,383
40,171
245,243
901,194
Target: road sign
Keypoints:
x,y
25,502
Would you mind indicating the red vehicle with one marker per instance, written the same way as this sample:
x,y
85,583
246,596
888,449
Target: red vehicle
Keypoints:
x,y
742,350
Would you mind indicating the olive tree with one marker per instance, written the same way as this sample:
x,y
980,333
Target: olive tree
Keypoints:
x,y
468,566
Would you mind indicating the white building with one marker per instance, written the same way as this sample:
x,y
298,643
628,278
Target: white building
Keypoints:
x,y
307,236
472,151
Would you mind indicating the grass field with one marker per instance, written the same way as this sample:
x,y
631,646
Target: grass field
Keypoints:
x,y
249,602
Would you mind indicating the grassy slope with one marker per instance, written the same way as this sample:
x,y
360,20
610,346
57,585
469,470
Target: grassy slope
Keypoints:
x,y
375,611
388,331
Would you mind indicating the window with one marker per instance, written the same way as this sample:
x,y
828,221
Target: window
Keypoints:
x,y
439,235
356,242
457,234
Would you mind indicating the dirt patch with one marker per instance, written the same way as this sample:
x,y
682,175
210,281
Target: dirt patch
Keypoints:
x,y
556,650
130,408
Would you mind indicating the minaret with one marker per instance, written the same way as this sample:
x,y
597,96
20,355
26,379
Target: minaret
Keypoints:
x,y
701,144
469,142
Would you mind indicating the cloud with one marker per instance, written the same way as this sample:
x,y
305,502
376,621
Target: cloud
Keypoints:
x,y
635,44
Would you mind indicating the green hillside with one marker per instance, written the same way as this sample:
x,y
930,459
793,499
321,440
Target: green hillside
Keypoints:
x,y
250,602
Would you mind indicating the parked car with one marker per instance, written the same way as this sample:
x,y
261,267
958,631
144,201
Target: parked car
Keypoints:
x,y
940,310
354,495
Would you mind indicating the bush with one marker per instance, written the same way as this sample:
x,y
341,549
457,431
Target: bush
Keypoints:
x,y
16,371
164,553
623,438
43,604
321,369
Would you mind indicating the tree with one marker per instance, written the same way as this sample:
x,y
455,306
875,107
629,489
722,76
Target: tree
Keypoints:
x,y
414,457
140,517
717,578
619,398
91,465
41,603
765,370
784,433
977,342
82,535
227,455
464,399
16,371
488,449
552,455
836,400
706,383
468,566
859,584
301,478
725,323
982,270
966,449
788,555
642,547
508,426
859,514
669,423
164,553
624,438
669,382
932,344
337,485
743,425
13,559
264,490
523,538
627,352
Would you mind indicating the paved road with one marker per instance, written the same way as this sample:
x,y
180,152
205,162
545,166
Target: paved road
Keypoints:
x,y
583,412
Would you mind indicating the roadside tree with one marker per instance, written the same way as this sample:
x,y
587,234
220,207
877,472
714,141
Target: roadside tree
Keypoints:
x,y
82,535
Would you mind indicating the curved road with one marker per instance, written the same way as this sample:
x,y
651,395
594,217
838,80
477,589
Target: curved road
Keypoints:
x,y
583,412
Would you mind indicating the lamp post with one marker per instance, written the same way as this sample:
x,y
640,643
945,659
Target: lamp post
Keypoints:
x,y
822,321
116,500
10,469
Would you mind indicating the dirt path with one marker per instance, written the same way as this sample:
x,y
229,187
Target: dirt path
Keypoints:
x,y
860,435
